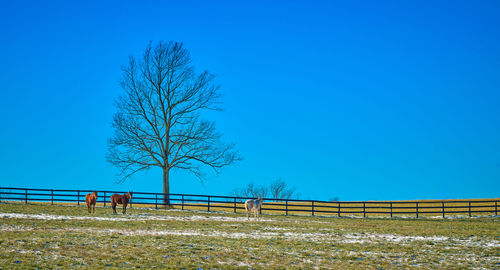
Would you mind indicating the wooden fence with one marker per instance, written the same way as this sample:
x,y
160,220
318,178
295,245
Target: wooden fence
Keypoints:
x,y
209,203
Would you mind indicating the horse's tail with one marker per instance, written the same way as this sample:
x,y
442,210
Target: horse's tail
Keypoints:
x,y
246,206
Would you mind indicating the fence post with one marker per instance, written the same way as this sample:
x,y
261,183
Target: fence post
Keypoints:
x,y
1,191
312,207
51,197
364,209
339,209
235,204
496,212
104,199
26,196
260,208
442,206
417,208
78,198
156,200
391,208
208,203
182,203
469,210
286,208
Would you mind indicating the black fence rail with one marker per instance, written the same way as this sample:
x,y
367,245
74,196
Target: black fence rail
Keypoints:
x,y
270,206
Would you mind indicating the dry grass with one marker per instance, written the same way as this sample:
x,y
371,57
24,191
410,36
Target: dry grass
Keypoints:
x,y
62,236
426,208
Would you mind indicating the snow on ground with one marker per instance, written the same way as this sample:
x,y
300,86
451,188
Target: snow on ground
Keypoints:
x,y
143,217
265,232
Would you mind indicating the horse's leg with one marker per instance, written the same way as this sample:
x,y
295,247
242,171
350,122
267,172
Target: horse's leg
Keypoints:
x,y
113,205
94,208
124,208
88,208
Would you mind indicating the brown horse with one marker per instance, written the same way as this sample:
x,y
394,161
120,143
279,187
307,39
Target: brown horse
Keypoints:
x,y
90,199
120,199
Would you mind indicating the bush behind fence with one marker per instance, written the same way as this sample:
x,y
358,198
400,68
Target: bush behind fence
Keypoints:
x,y
270,206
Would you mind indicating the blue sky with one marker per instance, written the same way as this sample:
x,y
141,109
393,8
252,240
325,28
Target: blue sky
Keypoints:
x,y
361,100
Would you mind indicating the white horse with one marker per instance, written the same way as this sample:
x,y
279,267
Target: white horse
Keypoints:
x,y
254,206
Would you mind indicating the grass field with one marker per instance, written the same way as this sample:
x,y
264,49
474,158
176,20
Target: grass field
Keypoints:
x,y
44,236
412,208
427,208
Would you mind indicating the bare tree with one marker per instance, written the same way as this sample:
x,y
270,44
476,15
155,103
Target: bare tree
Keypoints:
x,y
158,119
277,189
252,191
280,190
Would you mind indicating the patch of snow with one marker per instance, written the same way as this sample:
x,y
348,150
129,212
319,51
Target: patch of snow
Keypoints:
x,y
132,217
265,232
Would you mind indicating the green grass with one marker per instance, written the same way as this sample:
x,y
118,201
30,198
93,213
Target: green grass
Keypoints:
x,y
149,238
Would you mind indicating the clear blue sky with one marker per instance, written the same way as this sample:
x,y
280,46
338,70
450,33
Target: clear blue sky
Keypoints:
x,y
361,100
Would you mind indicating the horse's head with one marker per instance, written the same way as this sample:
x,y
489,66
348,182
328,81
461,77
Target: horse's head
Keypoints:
x,y
95,193
129,195
260,199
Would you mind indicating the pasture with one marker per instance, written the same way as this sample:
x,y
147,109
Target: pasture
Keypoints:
x,y
66,236
415,208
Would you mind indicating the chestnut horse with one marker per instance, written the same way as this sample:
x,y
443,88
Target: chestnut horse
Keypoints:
x,y
120,199
90,199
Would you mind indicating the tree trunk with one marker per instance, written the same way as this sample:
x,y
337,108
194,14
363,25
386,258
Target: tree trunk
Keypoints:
x,y
166,187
